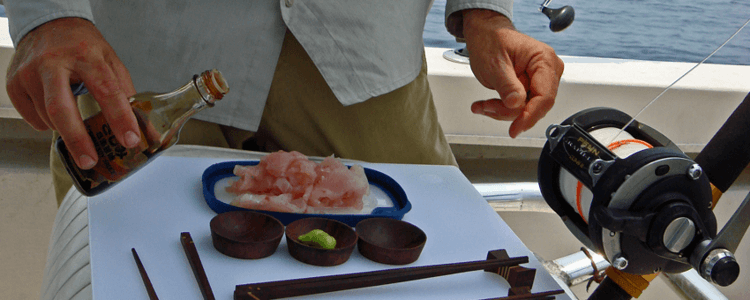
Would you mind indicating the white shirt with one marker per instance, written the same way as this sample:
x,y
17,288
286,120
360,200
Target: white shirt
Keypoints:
x,y
362,48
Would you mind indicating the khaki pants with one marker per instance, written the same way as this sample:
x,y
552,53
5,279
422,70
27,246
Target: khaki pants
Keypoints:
x,y
302,114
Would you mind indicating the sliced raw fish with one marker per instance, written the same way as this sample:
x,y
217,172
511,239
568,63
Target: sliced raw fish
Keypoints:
x,y
289,182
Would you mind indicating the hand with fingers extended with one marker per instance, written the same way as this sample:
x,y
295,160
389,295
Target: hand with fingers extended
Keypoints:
x,y
51,57
524,72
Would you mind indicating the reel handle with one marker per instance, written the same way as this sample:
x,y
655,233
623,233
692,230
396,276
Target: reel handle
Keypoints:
x,y
714,259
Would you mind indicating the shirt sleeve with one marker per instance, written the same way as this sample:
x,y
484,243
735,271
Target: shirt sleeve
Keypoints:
x,y
454,20
25,15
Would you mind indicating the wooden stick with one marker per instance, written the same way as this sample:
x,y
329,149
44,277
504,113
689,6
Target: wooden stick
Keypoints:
x,y
195,264
147,282
324,284
532,296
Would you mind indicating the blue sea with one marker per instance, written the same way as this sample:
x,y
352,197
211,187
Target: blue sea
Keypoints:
x,y
657,30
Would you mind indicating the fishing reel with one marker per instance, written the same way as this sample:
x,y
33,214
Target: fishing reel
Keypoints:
x,y
633,196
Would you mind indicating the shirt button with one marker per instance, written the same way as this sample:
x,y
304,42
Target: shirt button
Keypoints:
x,y
288,3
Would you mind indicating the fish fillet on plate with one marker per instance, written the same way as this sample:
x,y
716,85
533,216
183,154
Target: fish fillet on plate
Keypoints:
x,y
290,182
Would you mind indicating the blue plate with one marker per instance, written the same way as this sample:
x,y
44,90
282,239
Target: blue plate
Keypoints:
x,y
380,184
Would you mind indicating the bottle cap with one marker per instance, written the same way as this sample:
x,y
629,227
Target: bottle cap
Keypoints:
x,y
215,83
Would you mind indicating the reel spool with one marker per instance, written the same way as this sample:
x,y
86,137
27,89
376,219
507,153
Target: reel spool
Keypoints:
x,y
638,200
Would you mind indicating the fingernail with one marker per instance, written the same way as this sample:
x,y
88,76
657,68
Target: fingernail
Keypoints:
x,y
489,110
86,161
131,139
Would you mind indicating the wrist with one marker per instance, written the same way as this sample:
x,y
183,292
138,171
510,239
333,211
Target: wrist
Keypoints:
x,y
55,25
473,18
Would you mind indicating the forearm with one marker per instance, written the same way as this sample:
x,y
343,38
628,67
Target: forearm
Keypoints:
x,y
25,15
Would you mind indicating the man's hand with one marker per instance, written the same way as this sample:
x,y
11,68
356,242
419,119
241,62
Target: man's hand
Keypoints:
x,y
51,57
525,72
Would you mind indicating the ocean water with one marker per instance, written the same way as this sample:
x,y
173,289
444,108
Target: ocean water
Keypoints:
x,y
656,30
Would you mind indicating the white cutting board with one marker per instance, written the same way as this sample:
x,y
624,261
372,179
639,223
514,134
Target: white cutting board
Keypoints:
x,y
149,210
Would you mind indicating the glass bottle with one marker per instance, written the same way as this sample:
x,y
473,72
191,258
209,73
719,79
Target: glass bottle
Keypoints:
x,y
160,118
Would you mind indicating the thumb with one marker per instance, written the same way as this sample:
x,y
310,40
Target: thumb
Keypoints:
x,y
510,88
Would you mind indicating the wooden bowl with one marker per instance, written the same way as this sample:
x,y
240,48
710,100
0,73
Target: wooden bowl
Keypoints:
x,y
345,237
246,234
390,241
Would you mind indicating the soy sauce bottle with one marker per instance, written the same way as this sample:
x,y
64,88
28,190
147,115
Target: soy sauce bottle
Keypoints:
x,y
160,118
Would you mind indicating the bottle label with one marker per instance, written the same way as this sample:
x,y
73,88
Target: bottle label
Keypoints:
x,y
115,161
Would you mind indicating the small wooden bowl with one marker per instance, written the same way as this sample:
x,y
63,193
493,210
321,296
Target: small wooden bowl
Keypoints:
x,y
345,237
246,234
390,241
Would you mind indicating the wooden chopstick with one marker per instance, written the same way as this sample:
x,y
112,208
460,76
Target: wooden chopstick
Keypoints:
x,y
147,282
324,284
549,295
195,264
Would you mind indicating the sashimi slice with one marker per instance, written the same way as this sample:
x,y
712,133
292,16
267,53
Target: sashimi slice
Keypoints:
x,y
280,203
289,182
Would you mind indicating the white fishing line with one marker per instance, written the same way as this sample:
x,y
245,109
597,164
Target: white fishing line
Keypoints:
x,y
678,79
574,192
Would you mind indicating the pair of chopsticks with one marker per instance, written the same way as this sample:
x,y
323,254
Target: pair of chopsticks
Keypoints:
x,y
324,284
195,263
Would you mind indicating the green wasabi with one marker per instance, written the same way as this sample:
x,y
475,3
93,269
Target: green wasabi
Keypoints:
x,y
319,238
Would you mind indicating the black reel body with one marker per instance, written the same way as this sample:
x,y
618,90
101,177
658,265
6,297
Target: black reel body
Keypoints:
x,y
647,212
